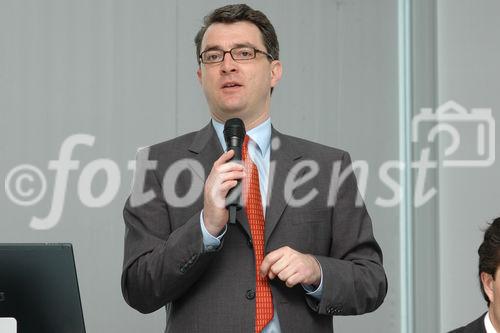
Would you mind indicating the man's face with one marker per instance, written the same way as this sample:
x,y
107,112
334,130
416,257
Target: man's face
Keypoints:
x,y
238,88
491,285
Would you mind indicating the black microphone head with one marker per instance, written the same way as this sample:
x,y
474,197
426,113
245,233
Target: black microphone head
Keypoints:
x,y
234,127
234,134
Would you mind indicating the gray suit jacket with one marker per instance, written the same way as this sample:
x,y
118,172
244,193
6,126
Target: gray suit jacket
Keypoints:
x,y
477,326
165,263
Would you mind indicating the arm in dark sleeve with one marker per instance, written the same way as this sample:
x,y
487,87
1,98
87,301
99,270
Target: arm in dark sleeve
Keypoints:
x,y
354,280
160,262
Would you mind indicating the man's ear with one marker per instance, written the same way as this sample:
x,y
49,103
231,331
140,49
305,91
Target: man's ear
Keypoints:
x,y
487,281
276,72
198,73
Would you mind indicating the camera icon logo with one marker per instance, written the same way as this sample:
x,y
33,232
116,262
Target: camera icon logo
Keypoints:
x,y
472,134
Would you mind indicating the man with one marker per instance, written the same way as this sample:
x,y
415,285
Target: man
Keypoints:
x,y
302,249
489,266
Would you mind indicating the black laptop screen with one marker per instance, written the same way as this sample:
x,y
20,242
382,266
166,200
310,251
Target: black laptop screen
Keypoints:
x,y
39,288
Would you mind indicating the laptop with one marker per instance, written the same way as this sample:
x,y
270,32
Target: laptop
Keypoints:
x,y
39,288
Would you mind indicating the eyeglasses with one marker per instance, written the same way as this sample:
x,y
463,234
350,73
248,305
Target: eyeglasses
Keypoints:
x,y
237,53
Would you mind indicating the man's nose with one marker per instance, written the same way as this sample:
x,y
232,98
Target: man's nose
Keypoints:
x,y
228,65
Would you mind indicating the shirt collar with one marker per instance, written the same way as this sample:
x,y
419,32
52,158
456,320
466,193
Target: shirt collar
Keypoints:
x,y
488,325
261,135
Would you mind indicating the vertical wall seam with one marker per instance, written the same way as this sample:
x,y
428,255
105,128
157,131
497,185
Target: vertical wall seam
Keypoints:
x,y
176,85
405,155
340,53
438,210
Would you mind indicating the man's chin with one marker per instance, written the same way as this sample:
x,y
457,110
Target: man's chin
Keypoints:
x,y
232,110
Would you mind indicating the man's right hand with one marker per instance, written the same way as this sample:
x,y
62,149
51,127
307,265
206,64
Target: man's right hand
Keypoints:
x,y
223,177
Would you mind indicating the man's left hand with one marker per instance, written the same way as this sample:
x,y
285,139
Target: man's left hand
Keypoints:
x,y
291,267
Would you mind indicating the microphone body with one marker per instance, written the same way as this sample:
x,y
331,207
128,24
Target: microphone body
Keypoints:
x,y
234,134
236,144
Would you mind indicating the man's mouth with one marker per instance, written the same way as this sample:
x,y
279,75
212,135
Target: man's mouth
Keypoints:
x,y
231,85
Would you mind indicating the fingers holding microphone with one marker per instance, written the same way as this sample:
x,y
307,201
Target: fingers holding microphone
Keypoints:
x,y
223,177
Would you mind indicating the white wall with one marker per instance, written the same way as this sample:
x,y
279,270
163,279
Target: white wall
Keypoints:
x,y
469,73
123,71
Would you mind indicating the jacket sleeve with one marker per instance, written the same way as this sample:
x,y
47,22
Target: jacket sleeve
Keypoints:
x,y
160,262
354,280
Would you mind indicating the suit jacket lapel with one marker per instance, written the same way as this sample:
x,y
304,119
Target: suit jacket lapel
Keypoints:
x,y
283,157
207,147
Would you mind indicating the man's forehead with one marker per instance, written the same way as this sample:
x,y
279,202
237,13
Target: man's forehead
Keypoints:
x,y
229,35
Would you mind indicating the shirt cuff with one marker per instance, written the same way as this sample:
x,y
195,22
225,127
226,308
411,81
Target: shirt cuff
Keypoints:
x,y
311,290
211,243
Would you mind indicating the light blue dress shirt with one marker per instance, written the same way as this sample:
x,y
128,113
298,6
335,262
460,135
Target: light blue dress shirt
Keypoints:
x,y
258,149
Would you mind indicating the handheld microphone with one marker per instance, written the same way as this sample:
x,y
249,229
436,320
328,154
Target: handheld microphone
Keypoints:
x,y
234,134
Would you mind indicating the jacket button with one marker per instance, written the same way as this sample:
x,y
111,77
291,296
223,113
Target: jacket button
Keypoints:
x,y
250,294
249,243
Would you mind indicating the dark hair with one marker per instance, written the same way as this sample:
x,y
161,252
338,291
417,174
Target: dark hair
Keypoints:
x,y
489,253
238,13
